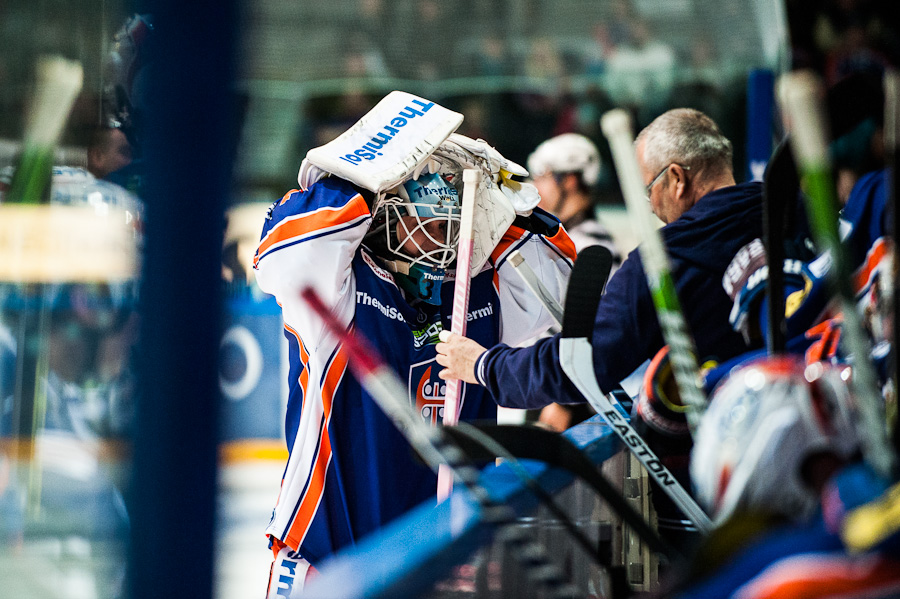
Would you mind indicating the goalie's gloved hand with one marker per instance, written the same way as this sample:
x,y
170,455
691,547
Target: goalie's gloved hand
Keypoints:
x,y
459,152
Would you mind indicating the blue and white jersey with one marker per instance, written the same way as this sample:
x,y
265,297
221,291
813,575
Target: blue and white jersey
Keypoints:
x,y
350,471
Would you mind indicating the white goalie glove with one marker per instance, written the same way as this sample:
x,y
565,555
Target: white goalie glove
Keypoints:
x,y
460,152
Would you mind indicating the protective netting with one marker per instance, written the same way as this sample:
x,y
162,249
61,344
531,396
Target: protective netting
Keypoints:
x,y
520,70
508,44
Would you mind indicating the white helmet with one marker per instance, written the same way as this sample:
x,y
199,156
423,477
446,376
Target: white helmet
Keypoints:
x,y
764,421
566,153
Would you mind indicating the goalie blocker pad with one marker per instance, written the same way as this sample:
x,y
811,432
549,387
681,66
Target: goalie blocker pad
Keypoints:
x,y
386,146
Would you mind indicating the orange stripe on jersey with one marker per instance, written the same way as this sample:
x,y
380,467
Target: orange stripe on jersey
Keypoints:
x,y
303,379
873,259
564,243
808,577
322,218
512,235
288,195
313,495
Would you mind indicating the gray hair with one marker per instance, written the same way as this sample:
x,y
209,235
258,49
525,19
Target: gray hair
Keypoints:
x,y
687,137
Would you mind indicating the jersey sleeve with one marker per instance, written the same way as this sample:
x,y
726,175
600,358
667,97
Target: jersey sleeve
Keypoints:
x,y
309,240
532,377
550,256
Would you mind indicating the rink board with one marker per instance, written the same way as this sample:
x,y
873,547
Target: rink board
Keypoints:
x,y
408,556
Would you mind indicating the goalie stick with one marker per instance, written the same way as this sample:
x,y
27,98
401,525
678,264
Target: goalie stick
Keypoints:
x,y
433,447
800,94
452,399
616,125
576,359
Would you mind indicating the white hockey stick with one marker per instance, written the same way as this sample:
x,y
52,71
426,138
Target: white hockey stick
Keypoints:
x,y
57,84
616,125
390,393
576,359
801,94
517,260
452,397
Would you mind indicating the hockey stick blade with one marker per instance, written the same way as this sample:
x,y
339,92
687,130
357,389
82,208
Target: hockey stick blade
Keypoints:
x,y
576,359
583,293
436,449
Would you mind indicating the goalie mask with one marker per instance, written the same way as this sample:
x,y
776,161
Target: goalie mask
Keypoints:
x,y
417,228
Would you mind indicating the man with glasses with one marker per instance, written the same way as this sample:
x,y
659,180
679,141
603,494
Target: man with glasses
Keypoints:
x,y
686,164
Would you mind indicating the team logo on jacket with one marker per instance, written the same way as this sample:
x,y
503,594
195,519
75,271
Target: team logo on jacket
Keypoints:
x,y
426,390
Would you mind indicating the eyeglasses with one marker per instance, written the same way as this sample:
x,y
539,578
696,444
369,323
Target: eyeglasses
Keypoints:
x,y
659,176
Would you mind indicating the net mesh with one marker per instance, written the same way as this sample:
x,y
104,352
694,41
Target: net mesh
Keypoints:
x,y
514,43
520,70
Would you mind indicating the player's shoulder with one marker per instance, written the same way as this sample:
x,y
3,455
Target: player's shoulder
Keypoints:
x,y
329,194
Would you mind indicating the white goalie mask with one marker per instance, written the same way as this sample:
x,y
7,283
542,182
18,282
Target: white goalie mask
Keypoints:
x,y
418,222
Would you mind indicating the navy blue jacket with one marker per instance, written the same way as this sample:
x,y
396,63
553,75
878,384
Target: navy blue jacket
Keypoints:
x,y
701,243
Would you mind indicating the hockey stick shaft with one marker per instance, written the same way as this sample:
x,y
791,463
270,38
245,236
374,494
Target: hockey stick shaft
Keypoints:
x,y
517,260
780,189
458,320
892,158
616,125
801,95
389,392
57,84
575,356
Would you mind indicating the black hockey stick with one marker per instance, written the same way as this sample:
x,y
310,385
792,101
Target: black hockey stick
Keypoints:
x,y
576,359
535,443
801,95
435,448
781,186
